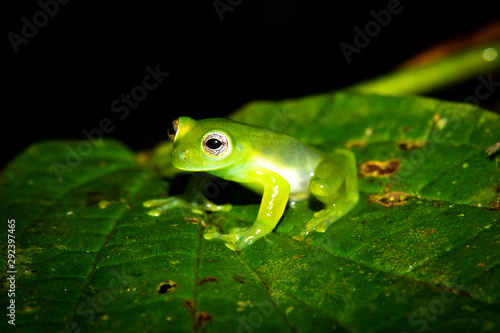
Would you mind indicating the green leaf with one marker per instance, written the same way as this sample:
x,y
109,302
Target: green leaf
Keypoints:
x,y
89,258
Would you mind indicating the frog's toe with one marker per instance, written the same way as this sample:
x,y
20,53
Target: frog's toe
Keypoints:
x,y
300,237
160,205
211,235
211,232
319,223
306,231
228,238
232,246
239,245
322,214
218,208
313,223
233,240
154,212
321,227
156,202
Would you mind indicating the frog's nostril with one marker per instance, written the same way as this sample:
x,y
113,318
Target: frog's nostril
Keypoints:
x,y
184,154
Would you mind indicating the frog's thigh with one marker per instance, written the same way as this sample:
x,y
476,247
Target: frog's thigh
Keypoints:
x,y
328,178
334,183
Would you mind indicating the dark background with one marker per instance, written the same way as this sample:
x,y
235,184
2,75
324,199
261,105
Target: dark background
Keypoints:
x,y
65,78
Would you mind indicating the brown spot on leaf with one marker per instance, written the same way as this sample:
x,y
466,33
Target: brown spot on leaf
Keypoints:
x,y
439,203
189,304
93,198
493,149
208,279
203,318
409,145
238,278
380,169
494,205
355,143
195,220
452,289
167,287
391,199
427,232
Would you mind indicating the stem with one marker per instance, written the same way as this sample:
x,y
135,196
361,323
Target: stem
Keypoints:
x,y
428,77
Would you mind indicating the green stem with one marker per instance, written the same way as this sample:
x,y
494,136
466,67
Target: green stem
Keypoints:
x,y
428,77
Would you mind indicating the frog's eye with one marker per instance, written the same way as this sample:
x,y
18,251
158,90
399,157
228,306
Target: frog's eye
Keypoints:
x,y
172,129
215,144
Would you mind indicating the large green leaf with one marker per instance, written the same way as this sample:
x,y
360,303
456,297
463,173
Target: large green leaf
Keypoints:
x,y
89,258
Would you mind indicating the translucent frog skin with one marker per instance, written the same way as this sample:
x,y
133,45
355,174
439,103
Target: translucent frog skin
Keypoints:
x,y
276,165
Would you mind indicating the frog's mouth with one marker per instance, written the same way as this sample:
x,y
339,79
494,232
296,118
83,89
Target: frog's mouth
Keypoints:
x,y
195,165
196,169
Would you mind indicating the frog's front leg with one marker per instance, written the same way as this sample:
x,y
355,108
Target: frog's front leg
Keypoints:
x,y
274,201
192,199
335,184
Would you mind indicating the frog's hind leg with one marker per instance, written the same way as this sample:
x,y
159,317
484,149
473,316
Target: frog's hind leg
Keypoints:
x,y
335,184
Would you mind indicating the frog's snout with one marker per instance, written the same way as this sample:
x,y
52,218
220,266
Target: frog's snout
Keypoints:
x,y
180,155
183,154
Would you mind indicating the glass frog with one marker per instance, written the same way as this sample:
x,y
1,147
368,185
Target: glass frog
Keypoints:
x,y
280,167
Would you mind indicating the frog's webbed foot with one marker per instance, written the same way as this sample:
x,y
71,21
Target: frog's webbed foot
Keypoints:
x,y
324,218
237,238
230,239
161,205
338,191
320,222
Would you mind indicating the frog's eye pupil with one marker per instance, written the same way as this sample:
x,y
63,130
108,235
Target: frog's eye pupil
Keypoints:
x,y
214,144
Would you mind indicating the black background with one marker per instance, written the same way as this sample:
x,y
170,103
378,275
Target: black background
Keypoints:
x,y
65,78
